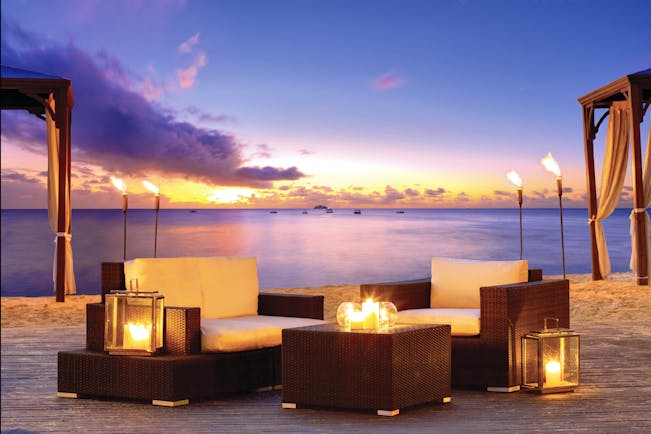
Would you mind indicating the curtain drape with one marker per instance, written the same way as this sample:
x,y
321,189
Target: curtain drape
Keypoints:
x,y
53,144
646,183
612,179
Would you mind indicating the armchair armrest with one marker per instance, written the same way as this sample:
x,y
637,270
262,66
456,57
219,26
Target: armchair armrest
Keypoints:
x,y
411,294
523,306
296,305
508,312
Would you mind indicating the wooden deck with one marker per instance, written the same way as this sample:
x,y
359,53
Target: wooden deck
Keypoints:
x,y
614,396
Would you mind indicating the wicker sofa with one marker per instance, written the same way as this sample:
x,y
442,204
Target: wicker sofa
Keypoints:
x,y
490,359
181,372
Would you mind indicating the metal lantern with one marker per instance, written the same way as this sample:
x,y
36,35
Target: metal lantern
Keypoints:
x,y
134,323
550,360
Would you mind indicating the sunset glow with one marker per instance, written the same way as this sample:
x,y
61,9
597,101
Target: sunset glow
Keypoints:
x,y
377,110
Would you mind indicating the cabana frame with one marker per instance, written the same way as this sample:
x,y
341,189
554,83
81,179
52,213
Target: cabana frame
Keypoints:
x,y
635,89
29,90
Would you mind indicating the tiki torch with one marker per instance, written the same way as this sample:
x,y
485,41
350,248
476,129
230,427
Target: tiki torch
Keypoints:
x,y
151,187
120,185
552,166
513,176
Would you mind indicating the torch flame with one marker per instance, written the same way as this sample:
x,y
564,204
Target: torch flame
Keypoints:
x,y
551,164
513,176
151,187
119,184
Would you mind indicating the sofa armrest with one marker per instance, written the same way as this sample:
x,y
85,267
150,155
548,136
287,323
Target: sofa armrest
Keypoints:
x,y
534,274
412,294
182,330
112,277
296,305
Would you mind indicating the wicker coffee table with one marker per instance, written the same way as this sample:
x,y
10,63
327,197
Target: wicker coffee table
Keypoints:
x,y
362,369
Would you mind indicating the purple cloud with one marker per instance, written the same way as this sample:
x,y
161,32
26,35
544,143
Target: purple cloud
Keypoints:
x,y
435,193
388,81
118,129
411,192
306,152
268,173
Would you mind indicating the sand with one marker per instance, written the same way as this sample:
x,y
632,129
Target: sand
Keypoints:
x,y
618,301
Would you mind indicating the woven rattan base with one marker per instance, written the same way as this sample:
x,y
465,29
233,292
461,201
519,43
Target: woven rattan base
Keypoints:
x,y
383,371
167,378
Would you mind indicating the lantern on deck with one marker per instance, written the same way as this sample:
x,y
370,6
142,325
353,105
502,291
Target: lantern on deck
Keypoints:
x,y
134,323
550,360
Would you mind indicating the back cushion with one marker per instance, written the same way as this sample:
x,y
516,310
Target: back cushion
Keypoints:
x,y
456,282
178,279
229,287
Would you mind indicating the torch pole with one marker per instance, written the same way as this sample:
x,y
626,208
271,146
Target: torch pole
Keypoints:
x,y
559,183
520,205
157,207
125,206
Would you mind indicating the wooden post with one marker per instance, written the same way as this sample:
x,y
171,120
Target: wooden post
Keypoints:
x,y
641,238
63,123
588,137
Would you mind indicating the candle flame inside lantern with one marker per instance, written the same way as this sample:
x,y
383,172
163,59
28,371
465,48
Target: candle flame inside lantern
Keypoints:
x,y
551,165
138,332
151,187
513,176
553,373
119,184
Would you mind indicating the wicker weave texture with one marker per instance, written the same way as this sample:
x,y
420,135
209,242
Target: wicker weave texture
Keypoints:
x,y
508,312
404,366
95,313
167,378
182,330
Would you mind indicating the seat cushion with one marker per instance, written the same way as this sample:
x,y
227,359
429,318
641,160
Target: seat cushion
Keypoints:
x,y
463,322
247,332
229,287
176,278
456,282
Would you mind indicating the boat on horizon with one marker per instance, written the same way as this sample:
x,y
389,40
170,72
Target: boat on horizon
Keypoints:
x,y
357,211
329,210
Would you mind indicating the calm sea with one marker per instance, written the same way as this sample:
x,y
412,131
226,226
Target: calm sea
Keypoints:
x,y
295,249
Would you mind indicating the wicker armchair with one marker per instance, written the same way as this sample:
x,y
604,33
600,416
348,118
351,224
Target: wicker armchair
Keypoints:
x,y
181,372
491,360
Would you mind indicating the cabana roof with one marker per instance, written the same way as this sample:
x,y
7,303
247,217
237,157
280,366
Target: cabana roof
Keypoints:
x,y
616,90
20,86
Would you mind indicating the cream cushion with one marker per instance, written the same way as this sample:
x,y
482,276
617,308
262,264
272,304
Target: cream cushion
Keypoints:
x,y
456,282
463,322
221,286
247,332
229,287
177,279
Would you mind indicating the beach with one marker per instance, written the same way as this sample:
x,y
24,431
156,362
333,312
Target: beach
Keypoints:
x,y
617,302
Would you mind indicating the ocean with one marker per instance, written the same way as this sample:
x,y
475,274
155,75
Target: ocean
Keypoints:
x,y
294,249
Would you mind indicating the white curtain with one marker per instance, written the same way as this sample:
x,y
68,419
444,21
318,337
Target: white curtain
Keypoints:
x,y
646,184
612,179
53,143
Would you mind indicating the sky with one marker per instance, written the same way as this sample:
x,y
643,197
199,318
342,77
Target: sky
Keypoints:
x,y
288,103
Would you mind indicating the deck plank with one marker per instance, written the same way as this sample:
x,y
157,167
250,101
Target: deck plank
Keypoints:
x,y
614,396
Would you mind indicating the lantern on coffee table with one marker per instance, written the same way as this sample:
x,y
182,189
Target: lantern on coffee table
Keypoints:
x,y
550,360
134,323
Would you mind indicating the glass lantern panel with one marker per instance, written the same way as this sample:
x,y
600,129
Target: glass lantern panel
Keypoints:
x,y
530,362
